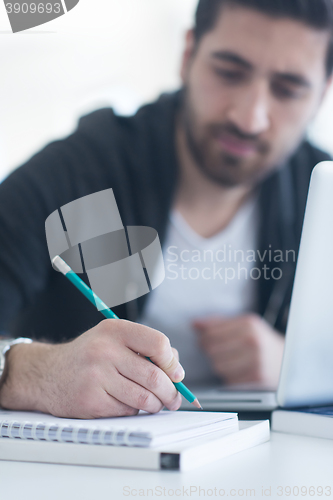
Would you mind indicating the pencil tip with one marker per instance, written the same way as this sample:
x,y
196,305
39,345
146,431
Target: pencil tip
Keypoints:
x,y
197,404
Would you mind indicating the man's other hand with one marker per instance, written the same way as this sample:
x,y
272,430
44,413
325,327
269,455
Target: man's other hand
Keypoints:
x,y
99,374
244,349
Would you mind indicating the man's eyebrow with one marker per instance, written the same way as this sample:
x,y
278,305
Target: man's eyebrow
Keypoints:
x,y
232,57
294,79
224,55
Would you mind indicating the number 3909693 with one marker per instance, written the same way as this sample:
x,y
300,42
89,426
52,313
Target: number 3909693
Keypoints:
x,y
33,8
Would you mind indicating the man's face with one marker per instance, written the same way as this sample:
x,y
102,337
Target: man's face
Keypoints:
x,y
252,86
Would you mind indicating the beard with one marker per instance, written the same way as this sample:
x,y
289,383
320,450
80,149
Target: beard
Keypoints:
x,y
226,169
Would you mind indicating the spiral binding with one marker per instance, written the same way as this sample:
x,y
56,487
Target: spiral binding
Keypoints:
x,y
51,432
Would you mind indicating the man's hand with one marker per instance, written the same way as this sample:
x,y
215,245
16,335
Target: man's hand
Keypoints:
x,y
99,374
243,349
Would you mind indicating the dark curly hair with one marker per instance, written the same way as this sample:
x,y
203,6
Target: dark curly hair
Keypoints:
x,y
315,13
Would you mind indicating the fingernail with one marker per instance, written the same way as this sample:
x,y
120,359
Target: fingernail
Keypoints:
x,y
179,373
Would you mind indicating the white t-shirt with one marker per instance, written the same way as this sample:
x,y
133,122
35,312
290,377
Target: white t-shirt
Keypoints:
x,y
205,277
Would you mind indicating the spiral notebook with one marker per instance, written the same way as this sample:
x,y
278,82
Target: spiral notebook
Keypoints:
x,y
142,430
178,441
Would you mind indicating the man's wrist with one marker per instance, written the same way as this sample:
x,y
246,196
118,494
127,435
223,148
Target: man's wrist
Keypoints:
x,y
5,345
22,379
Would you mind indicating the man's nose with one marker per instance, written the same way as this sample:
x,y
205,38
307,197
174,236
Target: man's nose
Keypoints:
x,y
250,110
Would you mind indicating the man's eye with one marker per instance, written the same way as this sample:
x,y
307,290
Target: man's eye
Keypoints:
x,y
284,92
229,75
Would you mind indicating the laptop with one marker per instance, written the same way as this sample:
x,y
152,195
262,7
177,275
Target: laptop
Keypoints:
x,y
306,377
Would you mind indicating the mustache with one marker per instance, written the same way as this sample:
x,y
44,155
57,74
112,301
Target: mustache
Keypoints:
x,y
232,130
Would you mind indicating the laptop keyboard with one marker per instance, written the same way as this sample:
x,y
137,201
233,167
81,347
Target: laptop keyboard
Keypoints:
x,y
323,410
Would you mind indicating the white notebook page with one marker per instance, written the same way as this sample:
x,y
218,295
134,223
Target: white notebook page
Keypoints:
x,y
157,428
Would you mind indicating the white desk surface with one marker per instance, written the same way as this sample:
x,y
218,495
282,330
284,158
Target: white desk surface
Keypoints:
x,y
287,460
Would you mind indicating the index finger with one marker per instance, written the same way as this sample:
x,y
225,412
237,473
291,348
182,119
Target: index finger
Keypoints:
x,y
154,345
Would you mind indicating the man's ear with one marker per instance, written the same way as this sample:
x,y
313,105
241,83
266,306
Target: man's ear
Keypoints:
x,y
187,55
327,88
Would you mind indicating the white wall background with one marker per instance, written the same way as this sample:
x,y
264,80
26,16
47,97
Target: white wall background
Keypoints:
x,y
103,52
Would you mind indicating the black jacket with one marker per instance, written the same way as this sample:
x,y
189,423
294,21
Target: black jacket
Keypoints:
x,y
136,156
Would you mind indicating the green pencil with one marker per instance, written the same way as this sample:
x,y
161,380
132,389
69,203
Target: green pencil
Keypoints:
x,y
64,268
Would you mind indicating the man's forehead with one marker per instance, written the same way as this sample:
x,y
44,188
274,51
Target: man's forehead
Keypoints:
x,y
275,44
